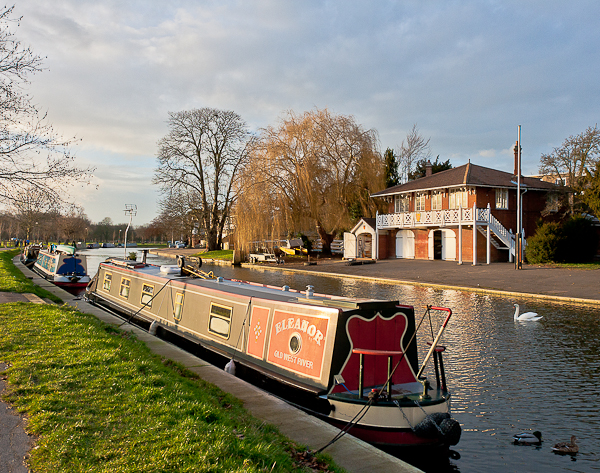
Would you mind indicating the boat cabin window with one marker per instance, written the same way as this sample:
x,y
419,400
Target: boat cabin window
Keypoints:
x,y
178,309
107,281
124,291
220,320
147,293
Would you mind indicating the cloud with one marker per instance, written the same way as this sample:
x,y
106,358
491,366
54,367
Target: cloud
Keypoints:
x,y
468,73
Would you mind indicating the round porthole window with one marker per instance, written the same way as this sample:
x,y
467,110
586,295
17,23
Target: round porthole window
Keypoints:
x,y
295,343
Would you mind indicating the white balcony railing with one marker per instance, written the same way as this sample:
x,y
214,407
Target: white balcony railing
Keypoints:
x,y
437,218
447,217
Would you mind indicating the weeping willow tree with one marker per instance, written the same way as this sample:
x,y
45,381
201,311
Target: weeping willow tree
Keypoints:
x,y
312,172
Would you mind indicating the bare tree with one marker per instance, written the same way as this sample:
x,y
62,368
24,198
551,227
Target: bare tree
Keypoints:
x,y
32,155
199,159
308,172
29,206
573,162
413,149
74,223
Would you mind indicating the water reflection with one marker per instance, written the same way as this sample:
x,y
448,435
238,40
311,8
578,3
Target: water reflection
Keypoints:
x,y
506,376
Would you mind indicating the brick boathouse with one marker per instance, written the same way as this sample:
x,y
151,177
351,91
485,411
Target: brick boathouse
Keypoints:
x,y
465,214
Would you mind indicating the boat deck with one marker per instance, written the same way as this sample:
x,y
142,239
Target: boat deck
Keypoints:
x,y
250,289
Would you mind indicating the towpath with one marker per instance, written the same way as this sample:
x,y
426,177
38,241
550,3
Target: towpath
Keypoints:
x,y
545,282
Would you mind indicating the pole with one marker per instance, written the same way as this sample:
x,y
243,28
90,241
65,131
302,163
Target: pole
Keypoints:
x,y
130,209
519,222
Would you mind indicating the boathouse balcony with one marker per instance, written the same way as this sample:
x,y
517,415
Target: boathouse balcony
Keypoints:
x,y
436,218
481,219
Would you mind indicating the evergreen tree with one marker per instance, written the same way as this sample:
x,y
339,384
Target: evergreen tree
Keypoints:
x,y
391,168
421,167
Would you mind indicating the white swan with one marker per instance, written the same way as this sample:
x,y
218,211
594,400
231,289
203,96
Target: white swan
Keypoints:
x,y
527,316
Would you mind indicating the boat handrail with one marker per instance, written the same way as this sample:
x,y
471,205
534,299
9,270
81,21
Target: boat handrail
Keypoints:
x,y
364,351
434,344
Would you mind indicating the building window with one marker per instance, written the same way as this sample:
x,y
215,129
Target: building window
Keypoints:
x,y
107,281
147,294
502,198
402,203
436,200
124,291
178,309
552,202
420,202
459,198
219,321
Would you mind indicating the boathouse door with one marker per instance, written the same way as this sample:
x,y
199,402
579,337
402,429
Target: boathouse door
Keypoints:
x,y
405,244
365,245
437,244
442,245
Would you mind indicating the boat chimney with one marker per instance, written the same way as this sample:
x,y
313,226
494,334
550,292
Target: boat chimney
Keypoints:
x,y
428,170
144,255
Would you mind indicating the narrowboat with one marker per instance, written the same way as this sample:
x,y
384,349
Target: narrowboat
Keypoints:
x,y
358,357
61,265
30,254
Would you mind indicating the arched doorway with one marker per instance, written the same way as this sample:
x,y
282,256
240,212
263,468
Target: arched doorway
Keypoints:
x,y
364,243
442,244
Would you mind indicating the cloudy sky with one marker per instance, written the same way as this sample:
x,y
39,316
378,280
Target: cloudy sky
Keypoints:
x,y
466,72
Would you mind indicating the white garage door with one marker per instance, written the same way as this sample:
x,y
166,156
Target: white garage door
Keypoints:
x,y
448,245
405,244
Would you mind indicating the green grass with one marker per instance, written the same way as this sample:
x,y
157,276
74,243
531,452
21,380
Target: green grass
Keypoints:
x,y
594,265
100,401
13,280
226,255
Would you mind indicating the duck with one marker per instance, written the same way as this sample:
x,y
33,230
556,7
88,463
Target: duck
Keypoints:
x,y
527,316
566,447
528,438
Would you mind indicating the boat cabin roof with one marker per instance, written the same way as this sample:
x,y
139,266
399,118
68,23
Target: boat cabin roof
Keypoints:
x,y
250,289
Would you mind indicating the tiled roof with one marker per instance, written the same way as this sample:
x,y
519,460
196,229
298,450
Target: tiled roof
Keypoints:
x,y
467,175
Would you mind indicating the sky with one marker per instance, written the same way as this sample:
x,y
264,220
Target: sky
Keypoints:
x,y
467,73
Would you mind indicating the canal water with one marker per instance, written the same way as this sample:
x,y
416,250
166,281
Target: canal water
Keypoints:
x,y
505,376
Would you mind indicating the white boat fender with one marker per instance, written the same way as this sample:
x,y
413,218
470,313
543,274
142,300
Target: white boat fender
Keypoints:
x,y
153,327
230,367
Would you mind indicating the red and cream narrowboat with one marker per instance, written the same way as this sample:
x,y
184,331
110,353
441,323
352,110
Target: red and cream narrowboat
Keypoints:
x,y
359,355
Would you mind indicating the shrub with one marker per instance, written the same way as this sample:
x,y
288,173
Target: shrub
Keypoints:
x,y
579,241
573,241
543,246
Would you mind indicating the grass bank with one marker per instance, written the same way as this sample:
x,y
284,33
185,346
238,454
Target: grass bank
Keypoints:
x,y
101,401
98,400
226,255
13,280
